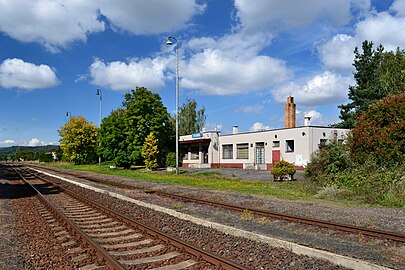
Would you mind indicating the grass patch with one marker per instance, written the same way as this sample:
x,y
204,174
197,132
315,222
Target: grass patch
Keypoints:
x,y
293,190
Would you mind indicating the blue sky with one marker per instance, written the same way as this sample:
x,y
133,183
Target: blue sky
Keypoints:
x,y
240,59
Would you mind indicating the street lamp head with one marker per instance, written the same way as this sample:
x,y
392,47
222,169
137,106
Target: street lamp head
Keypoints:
x,y
98,92
169,40
67,113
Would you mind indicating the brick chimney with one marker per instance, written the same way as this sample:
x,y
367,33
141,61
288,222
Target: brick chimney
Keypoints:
x,y
290,111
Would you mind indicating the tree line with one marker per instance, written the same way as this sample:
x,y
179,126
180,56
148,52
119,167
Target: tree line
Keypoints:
x,y
140,132
372,162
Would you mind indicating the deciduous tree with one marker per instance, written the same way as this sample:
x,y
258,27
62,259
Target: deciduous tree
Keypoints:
x,y
380,132
150,152
191,120
123,133
79,140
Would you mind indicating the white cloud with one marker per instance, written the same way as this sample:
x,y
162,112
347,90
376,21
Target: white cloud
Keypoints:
x,y
398,7
217,73
150,17
316,117
8,141
337,54
288,14
325,88
251,109
53,23
58,23
257,126
15,73
125,76
380,28
35,142
383,28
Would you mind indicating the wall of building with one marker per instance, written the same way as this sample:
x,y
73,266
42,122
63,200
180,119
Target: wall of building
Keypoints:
x,y
306,140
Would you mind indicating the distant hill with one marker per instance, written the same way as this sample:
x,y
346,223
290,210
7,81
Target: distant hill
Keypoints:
x,y
40,149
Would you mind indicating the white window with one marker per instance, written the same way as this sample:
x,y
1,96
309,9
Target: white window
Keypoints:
x,y
227,151
242,151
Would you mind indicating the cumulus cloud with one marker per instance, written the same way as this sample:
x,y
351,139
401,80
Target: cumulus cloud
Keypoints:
x,y
325,88
57,23
257,126
216,73
35,142
287,14
118,75
398,7
381,28
337,54
15,73
149,17
52,23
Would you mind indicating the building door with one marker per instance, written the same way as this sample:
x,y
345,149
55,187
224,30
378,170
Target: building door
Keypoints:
x,y
259,153
275,156
205,154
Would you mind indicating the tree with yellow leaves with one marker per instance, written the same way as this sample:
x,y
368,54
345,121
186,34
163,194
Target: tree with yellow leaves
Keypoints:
x,y
79,140
150,152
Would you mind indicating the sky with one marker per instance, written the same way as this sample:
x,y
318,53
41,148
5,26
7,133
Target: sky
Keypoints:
x,y
239,59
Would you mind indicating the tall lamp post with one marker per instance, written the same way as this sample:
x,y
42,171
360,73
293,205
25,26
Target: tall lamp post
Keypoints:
x,y
170,42
99,93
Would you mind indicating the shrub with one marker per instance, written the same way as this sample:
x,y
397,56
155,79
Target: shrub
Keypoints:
x,y
283,168
330,159
171,159
379,134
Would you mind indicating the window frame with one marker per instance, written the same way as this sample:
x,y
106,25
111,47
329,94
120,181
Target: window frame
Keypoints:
x,y
238,149
226,148
288,148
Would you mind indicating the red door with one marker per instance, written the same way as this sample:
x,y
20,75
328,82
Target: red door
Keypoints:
x,y
275,156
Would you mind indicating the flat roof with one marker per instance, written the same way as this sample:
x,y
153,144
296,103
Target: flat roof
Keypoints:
x,y
277,129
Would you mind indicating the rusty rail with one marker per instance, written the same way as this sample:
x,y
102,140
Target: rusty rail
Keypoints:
x,y
207,256
325,224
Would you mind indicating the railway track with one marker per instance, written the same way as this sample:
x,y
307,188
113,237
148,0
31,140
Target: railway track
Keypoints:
x,y
320,223
100,238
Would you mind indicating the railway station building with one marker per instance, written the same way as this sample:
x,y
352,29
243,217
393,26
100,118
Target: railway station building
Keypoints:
x,y
258,150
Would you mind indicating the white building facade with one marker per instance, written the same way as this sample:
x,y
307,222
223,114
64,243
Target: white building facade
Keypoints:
x,y
258,150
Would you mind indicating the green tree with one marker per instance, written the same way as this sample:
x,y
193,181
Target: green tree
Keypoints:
x,y
391,72
367,89
191,120
123,133
380,132
114,146
79,140
150,152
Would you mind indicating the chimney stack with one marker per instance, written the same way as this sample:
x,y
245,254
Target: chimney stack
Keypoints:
x,y
235,130
307,121
290,113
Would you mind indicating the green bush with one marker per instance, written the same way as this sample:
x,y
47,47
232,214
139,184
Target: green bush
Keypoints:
x,y
330,159
379,134
171,159
283,168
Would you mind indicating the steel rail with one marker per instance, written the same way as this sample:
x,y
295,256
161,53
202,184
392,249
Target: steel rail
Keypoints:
x,y
321,223
207,256
100,251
